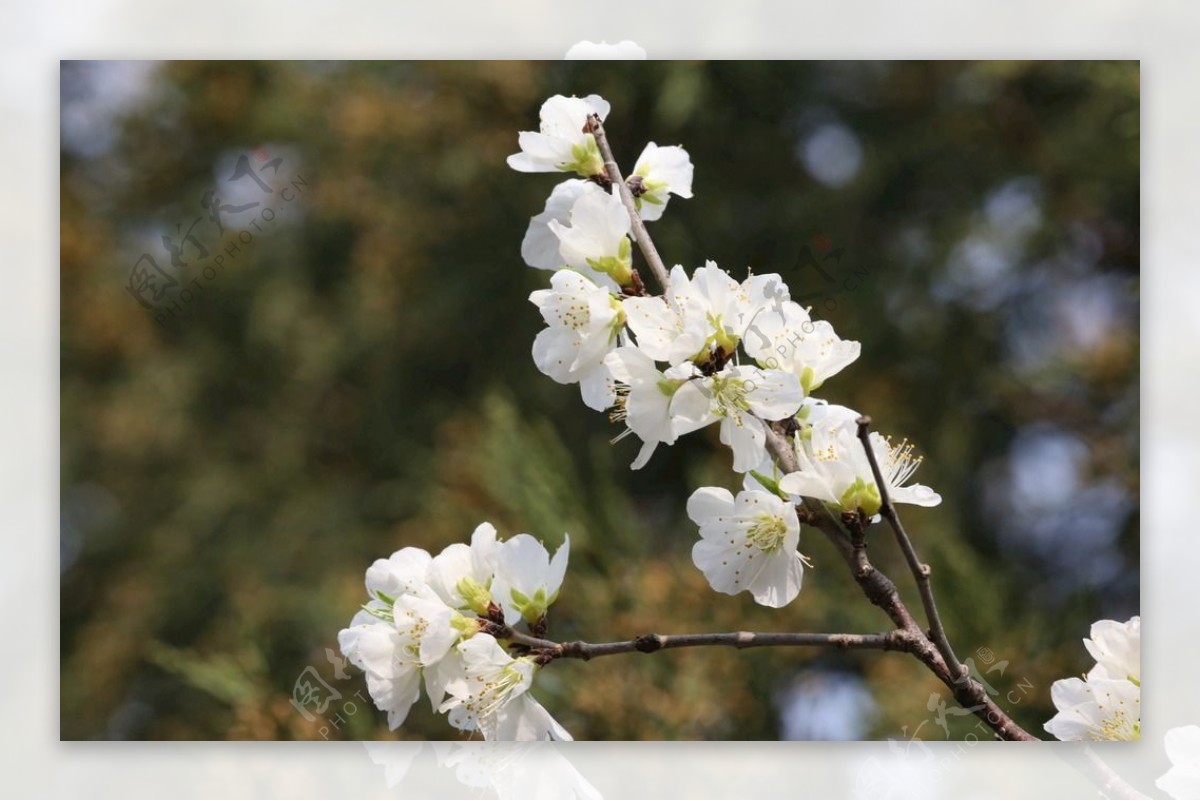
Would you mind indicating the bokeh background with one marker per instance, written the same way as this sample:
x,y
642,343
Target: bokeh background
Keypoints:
x,y
358,378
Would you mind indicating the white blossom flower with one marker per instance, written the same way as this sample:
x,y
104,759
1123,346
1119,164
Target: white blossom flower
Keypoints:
x,y
563,144
461,574
392,653
403,572
527,579
584,324
784,337
1107,704
540,246
662,331
741,398
747,543
701,318
1096,709
1117,649
597,240
659,173
1182,745
646,399
834,467
490,694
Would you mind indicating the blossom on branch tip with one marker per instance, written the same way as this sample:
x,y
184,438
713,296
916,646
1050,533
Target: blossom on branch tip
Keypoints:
x,y
748,543
563,143
834,467
659,173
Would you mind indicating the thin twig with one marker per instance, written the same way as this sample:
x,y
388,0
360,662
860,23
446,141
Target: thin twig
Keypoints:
x,y
649,643
920,570
882,592
641,235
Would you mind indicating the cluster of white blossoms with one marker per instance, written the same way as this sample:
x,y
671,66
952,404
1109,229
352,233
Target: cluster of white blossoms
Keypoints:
x,y
468,624
1106,703
711,350
433,621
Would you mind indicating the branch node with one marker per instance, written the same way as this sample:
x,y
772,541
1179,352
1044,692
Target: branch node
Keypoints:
x,y
648,643
576,649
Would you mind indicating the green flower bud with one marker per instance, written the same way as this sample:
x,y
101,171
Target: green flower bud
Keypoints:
x,y
476,595
861,495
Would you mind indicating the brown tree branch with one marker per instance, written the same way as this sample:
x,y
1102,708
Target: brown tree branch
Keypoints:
x,y
641,235
649,643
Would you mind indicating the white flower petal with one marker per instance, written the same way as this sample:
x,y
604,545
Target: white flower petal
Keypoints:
x,y
1117,648
807,485
597,388
779,582
709,502
917,494
554,352
402,572
747,438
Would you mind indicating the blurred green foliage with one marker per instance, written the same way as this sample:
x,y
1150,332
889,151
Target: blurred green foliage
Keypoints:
x,y
359,379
